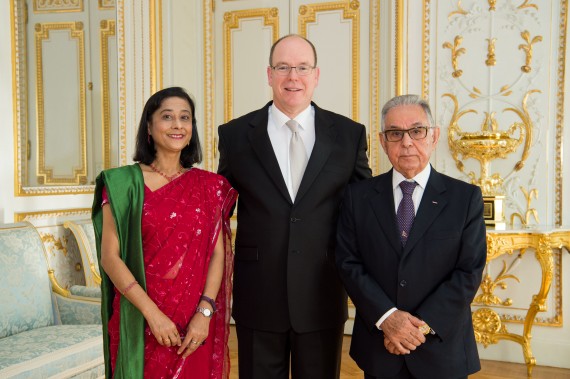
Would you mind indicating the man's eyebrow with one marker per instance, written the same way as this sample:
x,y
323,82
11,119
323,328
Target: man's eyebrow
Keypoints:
x,y
414,125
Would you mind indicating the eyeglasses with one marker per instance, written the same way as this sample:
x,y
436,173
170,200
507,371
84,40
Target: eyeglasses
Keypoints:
x,y
301,70
396,135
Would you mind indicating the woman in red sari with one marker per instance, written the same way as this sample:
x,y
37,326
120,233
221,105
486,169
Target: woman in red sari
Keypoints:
x,y
163,240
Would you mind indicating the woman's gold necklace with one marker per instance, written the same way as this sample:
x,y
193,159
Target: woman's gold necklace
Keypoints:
x,y
167,177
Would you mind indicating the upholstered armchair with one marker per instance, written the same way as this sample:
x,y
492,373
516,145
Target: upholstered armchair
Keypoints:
x,y
85,237
45,331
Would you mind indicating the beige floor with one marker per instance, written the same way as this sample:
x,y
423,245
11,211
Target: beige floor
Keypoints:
x,y
490,369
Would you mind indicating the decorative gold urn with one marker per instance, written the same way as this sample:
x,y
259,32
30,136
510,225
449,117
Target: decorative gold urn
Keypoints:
x,y
485,146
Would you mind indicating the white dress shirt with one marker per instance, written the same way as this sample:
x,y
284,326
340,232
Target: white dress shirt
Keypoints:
x,y
397,178
280,137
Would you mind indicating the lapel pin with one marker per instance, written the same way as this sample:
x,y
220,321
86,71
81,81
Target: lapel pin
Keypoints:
x,y
434,202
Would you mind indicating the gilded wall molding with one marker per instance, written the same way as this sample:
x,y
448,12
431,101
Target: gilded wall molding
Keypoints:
x,y
106,32
399,48
18,18
270,17
350,11
123,147
18,10
56,6
42,215
375,83
561,71
426,32
208,35
107,4
44,173
156,58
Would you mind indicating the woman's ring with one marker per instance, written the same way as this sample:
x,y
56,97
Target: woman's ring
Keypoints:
x,y
194,342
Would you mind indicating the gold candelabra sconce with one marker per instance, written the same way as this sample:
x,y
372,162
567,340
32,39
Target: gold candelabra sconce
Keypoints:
x,y
486,145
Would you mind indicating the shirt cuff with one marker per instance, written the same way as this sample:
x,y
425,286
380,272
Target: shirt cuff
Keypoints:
x,y
385,316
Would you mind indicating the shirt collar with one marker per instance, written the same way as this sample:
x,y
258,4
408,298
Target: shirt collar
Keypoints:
x,y
421,178
281,118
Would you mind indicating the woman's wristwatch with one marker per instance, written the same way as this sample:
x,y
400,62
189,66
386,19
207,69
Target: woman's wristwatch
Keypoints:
x,y
205,311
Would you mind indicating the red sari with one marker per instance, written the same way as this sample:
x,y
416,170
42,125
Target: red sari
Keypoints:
x,y
180,226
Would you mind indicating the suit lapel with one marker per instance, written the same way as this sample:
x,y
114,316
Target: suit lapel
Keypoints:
x,y
261,144
382,205
325,134
433,202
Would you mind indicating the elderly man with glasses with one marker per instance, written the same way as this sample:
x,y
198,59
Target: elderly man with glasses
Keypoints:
x,y
290,162
411,251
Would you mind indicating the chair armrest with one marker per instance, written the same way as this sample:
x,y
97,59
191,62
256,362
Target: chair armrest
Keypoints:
x,y
78,310
84,291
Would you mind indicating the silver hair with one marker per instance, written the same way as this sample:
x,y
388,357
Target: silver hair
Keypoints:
x,y
406,100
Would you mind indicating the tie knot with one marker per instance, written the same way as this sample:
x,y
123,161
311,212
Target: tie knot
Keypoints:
x,y
408,187
293,125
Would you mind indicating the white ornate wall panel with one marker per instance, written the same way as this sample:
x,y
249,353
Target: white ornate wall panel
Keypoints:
x,y
495,75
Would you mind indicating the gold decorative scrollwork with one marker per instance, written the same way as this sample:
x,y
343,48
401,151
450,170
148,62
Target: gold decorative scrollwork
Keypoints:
x,y
527,5
489,144
459,11
527,48
488,285
487,324
58,244
491,60
456,51
525,221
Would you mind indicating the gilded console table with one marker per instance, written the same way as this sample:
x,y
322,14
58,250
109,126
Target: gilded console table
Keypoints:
x,y
489,328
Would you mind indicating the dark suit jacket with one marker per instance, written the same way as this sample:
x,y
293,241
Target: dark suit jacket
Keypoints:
x,y
435,276
285,275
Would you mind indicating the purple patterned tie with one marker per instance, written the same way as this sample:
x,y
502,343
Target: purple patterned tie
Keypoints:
x,y
406,212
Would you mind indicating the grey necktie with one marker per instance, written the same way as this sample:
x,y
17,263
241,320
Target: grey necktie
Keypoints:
x,y
297,156
406,212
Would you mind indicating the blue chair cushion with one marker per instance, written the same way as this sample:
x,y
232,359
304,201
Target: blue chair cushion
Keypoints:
x,y
76,350
25,286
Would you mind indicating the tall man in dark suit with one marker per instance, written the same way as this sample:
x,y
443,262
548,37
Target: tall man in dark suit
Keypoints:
x,y
289,304
411,257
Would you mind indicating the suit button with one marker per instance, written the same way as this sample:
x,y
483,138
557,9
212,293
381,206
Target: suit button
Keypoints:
x,y
403,283
294,219
295,251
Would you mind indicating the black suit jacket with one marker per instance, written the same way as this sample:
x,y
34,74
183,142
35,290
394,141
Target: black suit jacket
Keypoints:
x,y
284,274
435,276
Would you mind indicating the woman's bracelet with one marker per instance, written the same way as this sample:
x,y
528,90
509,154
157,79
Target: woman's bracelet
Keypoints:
x,y
127,288
210,301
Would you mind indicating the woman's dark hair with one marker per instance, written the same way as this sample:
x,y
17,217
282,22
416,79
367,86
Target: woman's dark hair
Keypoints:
x,y
145,152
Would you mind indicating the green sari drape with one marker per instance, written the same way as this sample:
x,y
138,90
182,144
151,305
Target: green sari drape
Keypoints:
x,y
125,190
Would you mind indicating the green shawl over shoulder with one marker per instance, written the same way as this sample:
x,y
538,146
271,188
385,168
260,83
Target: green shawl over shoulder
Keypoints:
x,y
125,190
